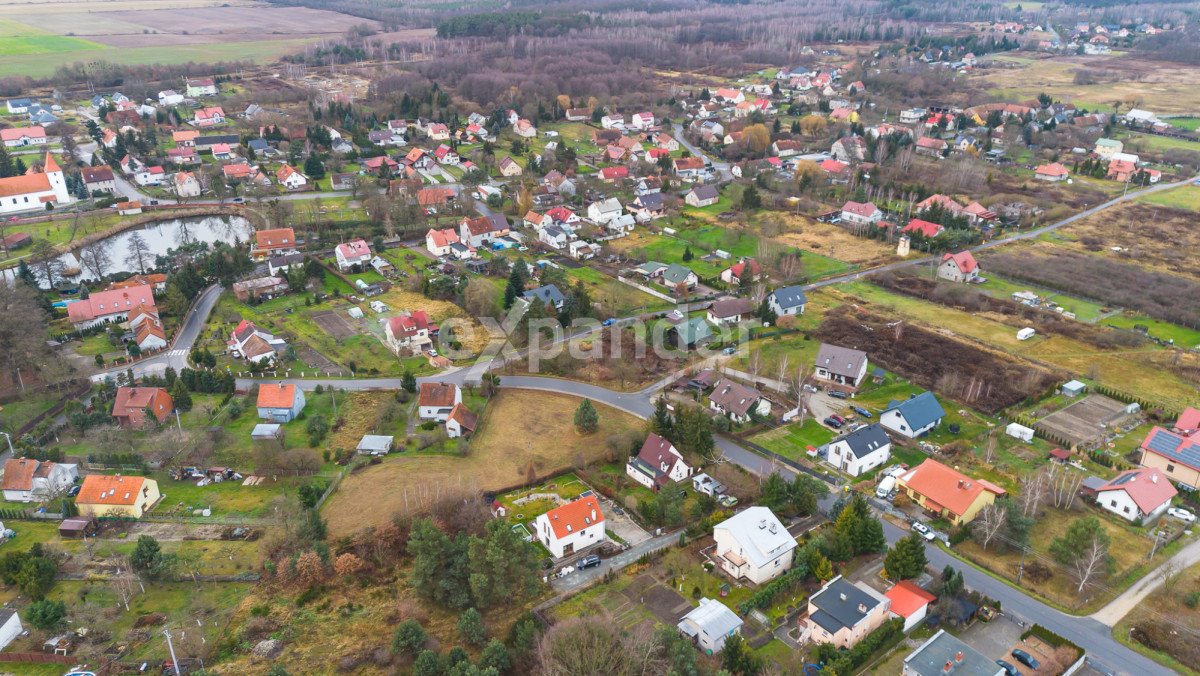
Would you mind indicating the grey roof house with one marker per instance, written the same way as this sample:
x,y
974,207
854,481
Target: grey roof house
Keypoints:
x,y
737,401
546,295
843,613
841,365
790,300
709,624
914,416
375,444
691,334
945,654
861,450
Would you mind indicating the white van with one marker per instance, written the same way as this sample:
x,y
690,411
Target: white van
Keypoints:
x,y
885,487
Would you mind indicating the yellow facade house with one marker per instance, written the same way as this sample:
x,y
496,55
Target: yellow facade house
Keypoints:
x,y
116,495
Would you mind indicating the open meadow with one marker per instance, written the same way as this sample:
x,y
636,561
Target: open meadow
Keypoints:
x,y
519,429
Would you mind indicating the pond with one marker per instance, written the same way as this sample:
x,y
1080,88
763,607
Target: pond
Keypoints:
x,y
111,255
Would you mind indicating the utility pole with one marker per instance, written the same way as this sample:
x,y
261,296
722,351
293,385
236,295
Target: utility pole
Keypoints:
x,y
178,424
1021,566
1157,540
171,648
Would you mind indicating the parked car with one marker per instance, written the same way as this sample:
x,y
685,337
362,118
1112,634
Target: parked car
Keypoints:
x,y
1026,659
74,490
839,419
609,322
925,531
239,200
589,561
838,394
1181,514
730,350
727,500
1008,668
861,411
833,422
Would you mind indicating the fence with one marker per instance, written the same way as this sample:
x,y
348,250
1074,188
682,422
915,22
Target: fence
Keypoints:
x,y
646,289
772,455
78,389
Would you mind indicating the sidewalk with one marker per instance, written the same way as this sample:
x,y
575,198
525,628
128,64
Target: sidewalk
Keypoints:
x,y
1119,607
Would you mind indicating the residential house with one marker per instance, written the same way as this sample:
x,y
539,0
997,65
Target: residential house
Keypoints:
x,y
183,156
1138,495
930,146
109,306
789,300
730,311
578,114
116,496
914,416
18,106
614,174
657,464
1051,172
99,179
959,267
209,117
946,655
273,241
150,176
204,86
709,625
691,334
861,213
440,242
727,95
744,271
185,184
409,332
840,365
604,211
571,528
18,137
849,149
946,492
612,122
150,335
289,178
461,423
861,450
279,402
525,129
375,444
838,172
545,295
753,545
649,206
185,138
842,613
1121,170
688,167
10,626
554,237
676,277
702,196
479,232
786,148
436,400
923,227
133,403
642,121
909,603
438,132
1176,452
354,252
1106,147
737,401
580,250
29,480
254,344
260,288
509,167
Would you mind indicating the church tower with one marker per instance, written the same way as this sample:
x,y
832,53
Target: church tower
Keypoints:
x,y
58,182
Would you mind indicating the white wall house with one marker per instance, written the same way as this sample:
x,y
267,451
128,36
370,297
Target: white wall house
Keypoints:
x,y
753,545
790,300
29,480
436,400
657,463
1137,495
709,624
913,417
860,451
10,626
572,527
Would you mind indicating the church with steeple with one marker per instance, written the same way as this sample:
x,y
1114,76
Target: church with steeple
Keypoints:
x,y
36,188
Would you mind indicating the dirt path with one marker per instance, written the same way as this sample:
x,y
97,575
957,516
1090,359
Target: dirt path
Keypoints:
x,y
1119,607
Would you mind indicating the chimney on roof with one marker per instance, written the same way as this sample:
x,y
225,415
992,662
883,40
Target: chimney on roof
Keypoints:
x,y
842,596
960,483
593,514
958,656
862,608
947,667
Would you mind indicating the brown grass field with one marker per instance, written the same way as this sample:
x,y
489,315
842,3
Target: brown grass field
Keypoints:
x,y
1152,235
519,427
1162,87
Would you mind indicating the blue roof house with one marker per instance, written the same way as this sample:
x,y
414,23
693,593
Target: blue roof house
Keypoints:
x,y
914,416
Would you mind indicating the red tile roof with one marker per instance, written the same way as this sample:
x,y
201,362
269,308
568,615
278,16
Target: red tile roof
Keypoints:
x,y
276,395
907,598
1189,419
18,474
924,227
864,209
131,404
575,516
947,487
1054,169
464,417
1147,487
437,394
102,489
104,303
278,238
964,260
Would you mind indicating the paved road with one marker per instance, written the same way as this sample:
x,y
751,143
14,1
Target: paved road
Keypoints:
x,y
581,578
176,356
719,165
1119,607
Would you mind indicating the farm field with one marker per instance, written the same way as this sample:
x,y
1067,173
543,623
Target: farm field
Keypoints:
x,y
1135,142
509,442
39,38
1169,89
1144,372
1186,197
1189,123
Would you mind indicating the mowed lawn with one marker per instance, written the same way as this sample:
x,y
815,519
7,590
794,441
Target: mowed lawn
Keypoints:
x,y
792,441
519,428
18,39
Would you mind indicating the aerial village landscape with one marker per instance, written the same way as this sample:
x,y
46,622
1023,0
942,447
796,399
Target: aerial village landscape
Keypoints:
x,y
688,337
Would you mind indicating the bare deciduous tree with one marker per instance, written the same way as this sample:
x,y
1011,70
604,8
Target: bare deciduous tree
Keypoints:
x,y
1092,564
1033,493
140,256
990,524
96,258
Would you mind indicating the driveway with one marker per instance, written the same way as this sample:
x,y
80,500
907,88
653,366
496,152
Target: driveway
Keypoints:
x,y
623,527
582,578
994,639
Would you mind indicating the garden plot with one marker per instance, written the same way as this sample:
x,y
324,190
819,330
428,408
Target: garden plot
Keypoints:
x,y
335,324
1086,422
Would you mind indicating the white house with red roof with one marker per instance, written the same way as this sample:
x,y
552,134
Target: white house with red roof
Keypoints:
x,y
109,306
958,267
290,178
150,176
1138,495
861,213
657,463
923,227
440,242
354,252
1051,172
746,268
23,136
642,120
445,155
409,331
571,528
209,117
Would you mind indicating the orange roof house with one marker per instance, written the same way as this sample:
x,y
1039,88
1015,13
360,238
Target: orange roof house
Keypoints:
x,y
1051,172
572,527
948,493
277,239
909,602
131,405
116,496
279,402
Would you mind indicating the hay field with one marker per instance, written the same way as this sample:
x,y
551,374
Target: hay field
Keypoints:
x,y
1162,87
1151,232
519,427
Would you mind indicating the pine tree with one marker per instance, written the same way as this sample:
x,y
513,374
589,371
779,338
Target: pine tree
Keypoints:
x,y
408,382
181,396
586,418
516,284
907,559
661,423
